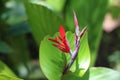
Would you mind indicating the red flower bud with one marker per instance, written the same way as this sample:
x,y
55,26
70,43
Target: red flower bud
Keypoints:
x,y
61,42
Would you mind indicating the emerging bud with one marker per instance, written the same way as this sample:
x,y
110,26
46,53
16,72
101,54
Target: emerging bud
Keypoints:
x,y
76,24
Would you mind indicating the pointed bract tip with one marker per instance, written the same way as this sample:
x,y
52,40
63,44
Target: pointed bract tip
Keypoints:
x,y
83,31
75,19
62,31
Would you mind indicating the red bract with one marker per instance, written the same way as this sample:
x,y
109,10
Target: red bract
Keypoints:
x,y
61,42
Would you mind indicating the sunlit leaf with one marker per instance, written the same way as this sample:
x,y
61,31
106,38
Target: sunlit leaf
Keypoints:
x,y
101,73
42,20
52,60
57,4
6,73
95,73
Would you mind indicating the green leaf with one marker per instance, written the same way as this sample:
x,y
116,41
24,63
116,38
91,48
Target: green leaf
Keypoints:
x,y
42,20
103,74
52,60
6,73
5,48
115,11
94,73
82,62
58,5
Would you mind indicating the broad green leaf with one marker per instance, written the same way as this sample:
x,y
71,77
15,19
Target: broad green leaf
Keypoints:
x,y
42,20
5,48
82,62
52,60
101,73
94,73
6,73
58,5
90,14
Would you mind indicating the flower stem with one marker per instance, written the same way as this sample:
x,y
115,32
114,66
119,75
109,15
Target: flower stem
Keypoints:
x,y
73,57
75,53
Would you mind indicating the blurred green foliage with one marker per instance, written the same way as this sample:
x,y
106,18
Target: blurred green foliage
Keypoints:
x,y
114,8
6,73
114,59
16,44
4,48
